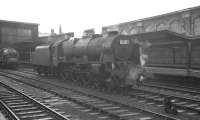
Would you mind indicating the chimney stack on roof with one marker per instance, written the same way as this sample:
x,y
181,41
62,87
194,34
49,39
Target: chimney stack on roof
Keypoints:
x,y
60,29
52,32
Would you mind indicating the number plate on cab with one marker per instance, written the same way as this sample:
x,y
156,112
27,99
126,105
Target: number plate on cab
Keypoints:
x,y
124,42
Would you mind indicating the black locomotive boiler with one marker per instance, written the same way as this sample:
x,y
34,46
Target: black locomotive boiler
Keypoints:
x,y
111,61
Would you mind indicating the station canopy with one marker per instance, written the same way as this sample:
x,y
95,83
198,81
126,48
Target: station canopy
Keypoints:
x,y
162,37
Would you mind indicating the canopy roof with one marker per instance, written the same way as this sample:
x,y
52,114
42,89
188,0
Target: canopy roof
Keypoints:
x,y
162,37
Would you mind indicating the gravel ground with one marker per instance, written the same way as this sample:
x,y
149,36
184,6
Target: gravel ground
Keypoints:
x,y
2,117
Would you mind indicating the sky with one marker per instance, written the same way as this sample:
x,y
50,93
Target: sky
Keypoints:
x,y
78,15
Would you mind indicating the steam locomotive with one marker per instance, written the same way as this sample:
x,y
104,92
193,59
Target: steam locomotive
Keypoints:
x,y
110,61
9,58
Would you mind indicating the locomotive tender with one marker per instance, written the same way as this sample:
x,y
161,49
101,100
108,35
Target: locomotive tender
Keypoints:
x,y
111,61
9,58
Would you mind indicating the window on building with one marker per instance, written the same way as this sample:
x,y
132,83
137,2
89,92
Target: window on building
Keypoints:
x,y
197,26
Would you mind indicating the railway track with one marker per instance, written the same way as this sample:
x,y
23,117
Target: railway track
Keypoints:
x,y
111,109
193,93
184,104
18,106
179,88
187,101
52,100
187,105
27,70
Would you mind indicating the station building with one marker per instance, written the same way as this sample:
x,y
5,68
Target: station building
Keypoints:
x,y
185,22
19,35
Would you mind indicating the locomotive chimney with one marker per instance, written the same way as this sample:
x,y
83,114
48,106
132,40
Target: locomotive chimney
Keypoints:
x,y
112,33
69,35
88,32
